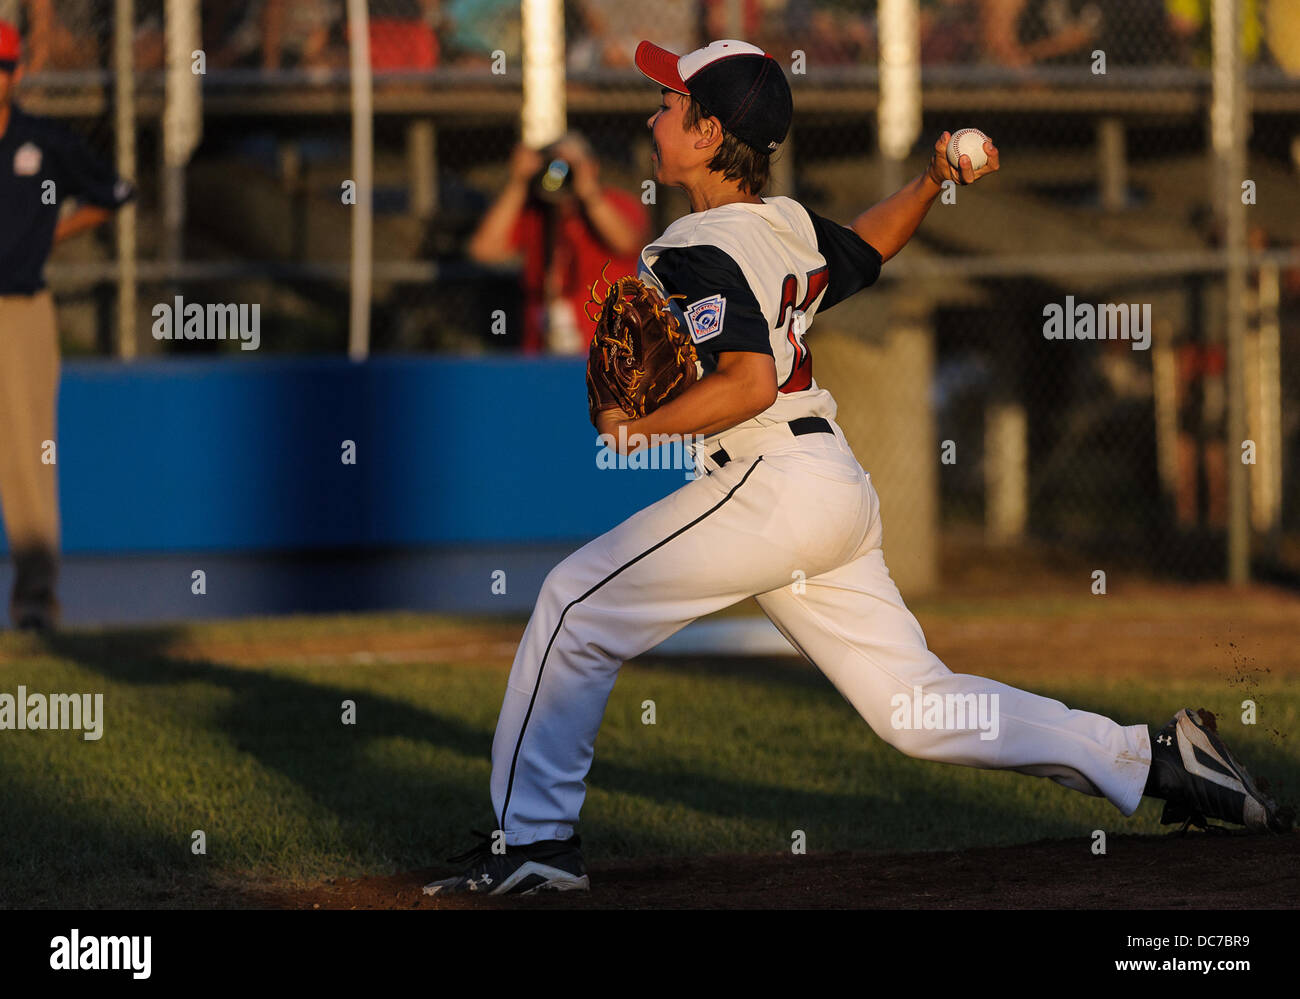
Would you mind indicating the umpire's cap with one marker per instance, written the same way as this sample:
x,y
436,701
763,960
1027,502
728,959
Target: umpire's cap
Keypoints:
x,y
10,47
738,83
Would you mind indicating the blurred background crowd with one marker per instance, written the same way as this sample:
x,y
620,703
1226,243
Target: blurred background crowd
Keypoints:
x,y
601,34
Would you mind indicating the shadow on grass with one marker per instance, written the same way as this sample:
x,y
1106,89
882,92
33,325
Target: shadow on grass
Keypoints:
x,y
388,817
59,854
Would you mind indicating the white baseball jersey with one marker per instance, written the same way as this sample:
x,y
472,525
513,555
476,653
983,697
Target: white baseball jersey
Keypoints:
x,y
753,277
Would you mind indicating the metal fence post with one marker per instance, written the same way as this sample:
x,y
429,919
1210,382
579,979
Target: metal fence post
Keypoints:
x,y
363,155
1229,134
544,112
124,127
182,119
898,115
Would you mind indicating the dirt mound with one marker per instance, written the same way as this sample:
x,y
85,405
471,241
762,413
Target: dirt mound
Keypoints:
x,y
1196,871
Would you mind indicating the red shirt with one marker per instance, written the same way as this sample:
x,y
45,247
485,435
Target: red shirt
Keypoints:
x,y
578,258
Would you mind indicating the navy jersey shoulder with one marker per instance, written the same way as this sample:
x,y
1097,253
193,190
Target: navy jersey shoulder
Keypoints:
x,y
804,263
852,262
711,284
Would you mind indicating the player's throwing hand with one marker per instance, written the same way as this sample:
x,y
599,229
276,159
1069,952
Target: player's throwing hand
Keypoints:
x,y
940,169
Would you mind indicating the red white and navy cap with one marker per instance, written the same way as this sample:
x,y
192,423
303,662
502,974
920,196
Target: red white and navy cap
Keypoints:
x,y
10,46
737,83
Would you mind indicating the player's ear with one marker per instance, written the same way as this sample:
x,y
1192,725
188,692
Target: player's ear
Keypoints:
x,y
710,133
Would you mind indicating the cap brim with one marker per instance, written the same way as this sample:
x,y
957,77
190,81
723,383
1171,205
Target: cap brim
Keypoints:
x,y
660,66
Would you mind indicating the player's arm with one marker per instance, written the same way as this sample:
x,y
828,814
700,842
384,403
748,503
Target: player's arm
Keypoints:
x,y
742,382
742,386
492,241
85,177
889,224
82,218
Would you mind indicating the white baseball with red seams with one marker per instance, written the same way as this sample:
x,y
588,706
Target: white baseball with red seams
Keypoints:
x,y
968,142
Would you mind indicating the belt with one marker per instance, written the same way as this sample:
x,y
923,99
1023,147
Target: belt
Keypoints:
x,y
798,427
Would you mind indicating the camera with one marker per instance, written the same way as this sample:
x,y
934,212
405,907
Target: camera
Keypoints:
x,y
554,182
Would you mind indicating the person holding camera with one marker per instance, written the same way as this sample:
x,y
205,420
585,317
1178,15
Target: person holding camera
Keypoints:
x,y
557,216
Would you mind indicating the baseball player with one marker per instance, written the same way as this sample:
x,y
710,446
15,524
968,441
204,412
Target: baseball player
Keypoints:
x,y
779,497
42,166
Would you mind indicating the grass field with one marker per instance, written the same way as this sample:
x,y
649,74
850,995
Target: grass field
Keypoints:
x,y
235,729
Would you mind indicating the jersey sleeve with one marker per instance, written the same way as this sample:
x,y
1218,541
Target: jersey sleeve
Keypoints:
x,y
720,308
853,263
86,176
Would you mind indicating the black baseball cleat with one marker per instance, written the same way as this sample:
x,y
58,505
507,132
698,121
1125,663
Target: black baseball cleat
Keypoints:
x,y
1192,770
548,865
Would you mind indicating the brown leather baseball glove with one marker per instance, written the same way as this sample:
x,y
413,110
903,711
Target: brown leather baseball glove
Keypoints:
x,y
640,357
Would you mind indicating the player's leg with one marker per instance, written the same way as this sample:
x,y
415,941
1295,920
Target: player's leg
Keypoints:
x,y
739,531
29,379
852,623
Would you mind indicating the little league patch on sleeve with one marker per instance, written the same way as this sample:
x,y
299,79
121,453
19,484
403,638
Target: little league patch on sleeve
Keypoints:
x,y
705,317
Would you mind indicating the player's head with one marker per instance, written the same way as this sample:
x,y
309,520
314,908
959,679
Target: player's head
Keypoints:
x,y
10,52
726,108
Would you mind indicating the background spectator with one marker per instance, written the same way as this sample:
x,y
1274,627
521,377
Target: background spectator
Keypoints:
x,y
402,35
1282,32
565,237
77,34
950,31
301,34
612,29
1020,33
474,29
1189,21
234,34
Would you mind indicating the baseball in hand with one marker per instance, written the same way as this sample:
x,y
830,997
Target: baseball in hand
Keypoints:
x,y
967,142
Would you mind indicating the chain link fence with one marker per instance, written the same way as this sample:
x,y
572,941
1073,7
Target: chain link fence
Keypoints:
x,y
1102,112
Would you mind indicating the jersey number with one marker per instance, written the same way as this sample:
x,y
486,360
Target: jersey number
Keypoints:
x,y
790,317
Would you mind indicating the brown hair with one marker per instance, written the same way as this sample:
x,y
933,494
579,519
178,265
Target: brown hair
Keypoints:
x,y
734,159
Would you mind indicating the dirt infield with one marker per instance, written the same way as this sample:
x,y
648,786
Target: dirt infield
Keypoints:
x,y
1235,636
1196,871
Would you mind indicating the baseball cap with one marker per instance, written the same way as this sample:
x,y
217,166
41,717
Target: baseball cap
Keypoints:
x,y
10,46
738,83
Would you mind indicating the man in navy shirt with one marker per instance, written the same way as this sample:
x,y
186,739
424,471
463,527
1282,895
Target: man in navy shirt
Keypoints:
x,y
41,165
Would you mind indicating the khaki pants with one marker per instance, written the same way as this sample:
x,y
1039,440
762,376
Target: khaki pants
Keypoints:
x,y
29,495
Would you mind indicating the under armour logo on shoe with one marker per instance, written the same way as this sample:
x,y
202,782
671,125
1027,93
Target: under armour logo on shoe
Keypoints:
x,y
1165,740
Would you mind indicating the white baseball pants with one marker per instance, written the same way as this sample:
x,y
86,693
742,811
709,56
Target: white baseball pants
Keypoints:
x,y
795,522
